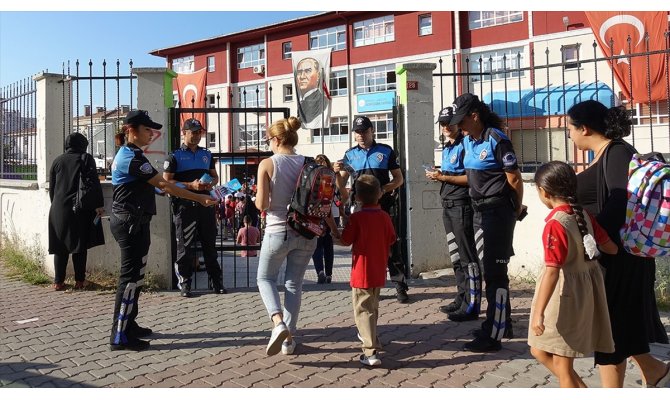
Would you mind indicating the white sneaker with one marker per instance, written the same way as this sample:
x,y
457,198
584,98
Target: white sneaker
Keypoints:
x,y
371,361
279,333
287,348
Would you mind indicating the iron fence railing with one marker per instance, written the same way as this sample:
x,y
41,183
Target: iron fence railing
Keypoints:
x,y
18,130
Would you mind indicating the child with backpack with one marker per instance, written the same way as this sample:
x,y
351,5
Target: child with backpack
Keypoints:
x,y
371,233
569,316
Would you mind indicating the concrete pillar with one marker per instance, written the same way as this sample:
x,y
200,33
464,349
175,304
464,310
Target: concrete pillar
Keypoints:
x,y
50,121
154,94
426,238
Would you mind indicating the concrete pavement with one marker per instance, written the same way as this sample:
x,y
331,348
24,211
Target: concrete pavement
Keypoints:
x,y
60,339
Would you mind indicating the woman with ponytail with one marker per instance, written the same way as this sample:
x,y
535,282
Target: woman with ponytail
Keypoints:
x,y
629,280
277,176
568,316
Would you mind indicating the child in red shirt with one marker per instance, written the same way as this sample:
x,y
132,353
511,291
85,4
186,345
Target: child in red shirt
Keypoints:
x,y
371,233
568,316
248,236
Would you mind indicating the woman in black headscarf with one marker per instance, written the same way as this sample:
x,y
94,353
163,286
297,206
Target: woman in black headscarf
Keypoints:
x,y
72,232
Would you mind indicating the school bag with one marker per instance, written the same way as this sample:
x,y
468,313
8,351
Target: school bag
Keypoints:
x,y
312,198
646,232
89,192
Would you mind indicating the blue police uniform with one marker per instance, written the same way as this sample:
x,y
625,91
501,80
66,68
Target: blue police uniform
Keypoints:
x,y
190,217
486,162
379,160
133,205
457,217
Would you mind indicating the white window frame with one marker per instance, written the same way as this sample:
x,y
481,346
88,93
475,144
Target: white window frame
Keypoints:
x,y
250,56
287,92
211,64
286,55
184,65
211,139
334,37
251,135
485,19
211,101
571,51
250,100
374,31
337,132
495,57
427,29
382,120
374,79
338,83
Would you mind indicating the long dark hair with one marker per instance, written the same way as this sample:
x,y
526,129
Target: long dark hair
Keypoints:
x,y
613,123
559,180
488,117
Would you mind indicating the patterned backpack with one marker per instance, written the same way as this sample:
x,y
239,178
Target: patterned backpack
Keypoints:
x,y
646,232
312,199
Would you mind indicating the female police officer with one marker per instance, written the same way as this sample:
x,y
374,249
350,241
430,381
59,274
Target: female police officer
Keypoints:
x,y
133,206
496,190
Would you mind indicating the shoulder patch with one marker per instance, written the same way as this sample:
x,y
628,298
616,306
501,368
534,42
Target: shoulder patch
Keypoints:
x,y
146,168
509,159
166,164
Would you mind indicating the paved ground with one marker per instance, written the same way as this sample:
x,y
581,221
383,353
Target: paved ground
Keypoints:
x,y
59,339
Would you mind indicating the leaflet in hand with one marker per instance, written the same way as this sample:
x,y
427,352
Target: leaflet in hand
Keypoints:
x,y
220,192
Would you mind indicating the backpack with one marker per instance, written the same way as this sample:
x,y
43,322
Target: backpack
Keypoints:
x,y
89,193
646,232
312,198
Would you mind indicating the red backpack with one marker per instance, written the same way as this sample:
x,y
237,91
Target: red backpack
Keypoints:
x,y
312,199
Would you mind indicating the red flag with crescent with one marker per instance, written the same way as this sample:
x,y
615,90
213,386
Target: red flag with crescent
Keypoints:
x,y
192,93
612,29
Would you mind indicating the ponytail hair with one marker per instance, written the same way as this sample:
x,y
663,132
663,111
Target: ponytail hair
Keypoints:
x,y
559,180
120,137
613,123
286,131
488,117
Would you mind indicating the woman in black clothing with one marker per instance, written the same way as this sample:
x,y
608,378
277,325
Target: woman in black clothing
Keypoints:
x,y
629,280
72,232
133,205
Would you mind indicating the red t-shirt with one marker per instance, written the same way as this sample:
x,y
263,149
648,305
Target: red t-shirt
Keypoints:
x,y
248,236
555,238
371,233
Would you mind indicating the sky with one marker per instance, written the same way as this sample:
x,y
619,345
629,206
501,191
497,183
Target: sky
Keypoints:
x,y
31,42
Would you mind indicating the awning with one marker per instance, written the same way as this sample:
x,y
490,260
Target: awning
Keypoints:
x,y
546,101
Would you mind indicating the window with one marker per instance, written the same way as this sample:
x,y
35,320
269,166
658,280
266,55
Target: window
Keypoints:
x,y
496,61
335,37
250,56
338,83
210,64
482,19
425,24
288,93
374,79
570,56
337,132
251,96
211,139
252,135
184,65
383,124
286,49
372,31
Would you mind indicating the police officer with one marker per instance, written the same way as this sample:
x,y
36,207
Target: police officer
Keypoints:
x,y
496,190
187,166
133,205
457,217
378,159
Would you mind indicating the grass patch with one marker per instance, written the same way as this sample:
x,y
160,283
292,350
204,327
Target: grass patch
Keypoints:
x,y
24,265
105,282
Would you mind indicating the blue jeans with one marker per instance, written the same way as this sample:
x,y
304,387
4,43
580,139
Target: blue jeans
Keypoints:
x,y
297,251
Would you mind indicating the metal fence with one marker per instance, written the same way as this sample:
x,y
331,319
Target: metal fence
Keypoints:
x,y
18,130
533,100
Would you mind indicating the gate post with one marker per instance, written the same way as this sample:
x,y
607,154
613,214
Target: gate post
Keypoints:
x,y
154,94
426,242
52,124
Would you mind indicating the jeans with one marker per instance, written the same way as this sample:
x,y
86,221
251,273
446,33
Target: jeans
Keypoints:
x,y
297,251
324,252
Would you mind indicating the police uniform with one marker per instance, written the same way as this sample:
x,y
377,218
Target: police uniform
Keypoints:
x,y
457,217
190,217
378,160
486,162
133,206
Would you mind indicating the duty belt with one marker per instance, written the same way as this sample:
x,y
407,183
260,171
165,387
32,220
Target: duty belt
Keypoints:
x,y
455,203
490,202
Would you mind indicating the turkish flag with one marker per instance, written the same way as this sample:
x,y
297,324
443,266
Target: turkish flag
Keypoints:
x,y
192,93
612,29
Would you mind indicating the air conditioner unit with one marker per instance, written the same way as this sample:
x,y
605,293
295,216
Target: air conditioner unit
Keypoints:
x,y
259,69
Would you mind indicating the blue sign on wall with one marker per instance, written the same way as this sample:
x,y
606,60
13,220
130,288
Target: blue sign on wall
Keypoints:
x,y
380,101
